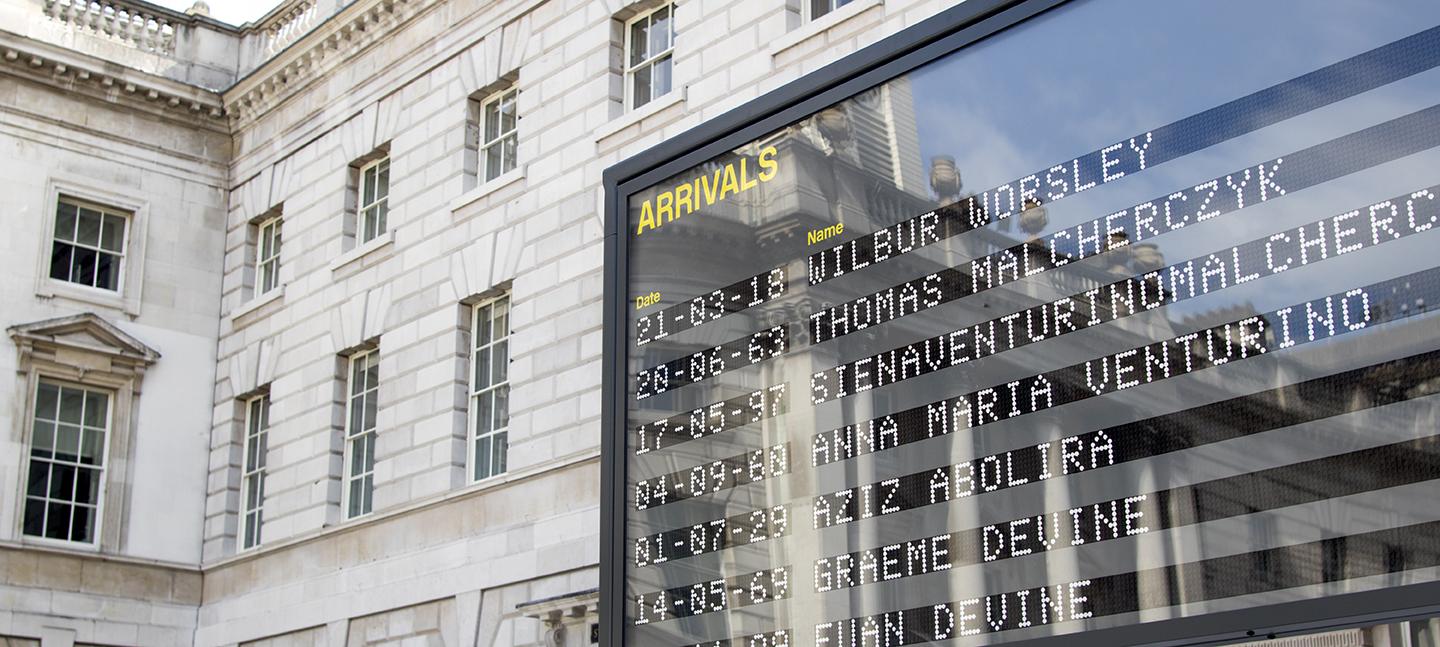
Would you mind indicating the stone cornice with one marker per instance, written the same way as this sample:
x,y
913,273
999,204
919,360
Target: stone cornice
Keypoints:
x,y
79,73
324,47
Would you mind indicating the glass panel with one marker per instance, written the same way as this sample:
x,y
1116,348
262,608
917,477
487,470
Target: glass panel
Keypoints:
x,y
482,456
502,318
67,443
660,31
357,416
87,485
62,482
57,521
372,372
501,362
494,160
356,503
639,40
65,222
369,220
508,161
97,405
252,452
107,271
819,8
43,442
492,121
641,86
47,401
662,76
261,452
88,230
507,112
92,447
367,193
500,448
252,493
482,325
60,261
502,407
382,185
482,369
83,525
357,455
369,493
112,237
370,452
72,405
357,375
39,478
382,210
484,412
34,517
252,530
82,266
371,406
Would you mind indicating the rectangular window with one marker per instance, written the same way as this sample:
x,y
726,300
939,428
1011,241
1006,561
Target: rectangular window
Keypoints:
x,y
497,135
267,256
67,462
649,44
490,388
252,474
361,405
819,8
89,244
374,198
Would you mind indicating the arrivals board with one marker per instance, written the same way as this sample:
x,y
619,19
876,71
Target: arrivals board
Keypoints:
x,y
1084,321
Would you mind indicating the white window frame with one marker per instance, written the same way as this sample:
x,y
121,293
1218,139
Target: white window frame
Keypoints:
x,y
484,348
267,266
366,476
834,5
369,204
498,98
120,263
650,61
102,473
252,469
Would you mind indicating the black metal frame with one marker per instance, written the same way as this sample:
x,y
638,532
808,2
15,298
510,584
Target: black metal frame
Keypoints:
x,y
947,32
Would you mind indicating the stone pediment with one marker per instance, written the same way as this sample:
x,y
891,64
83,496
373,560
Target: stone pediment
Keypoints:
x,y
85,334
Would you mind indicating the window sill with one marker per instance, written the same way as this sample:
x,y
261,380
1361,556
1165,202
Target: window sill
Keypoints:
x,y
257,302
671,98
361,251
821,25
53,288
490,186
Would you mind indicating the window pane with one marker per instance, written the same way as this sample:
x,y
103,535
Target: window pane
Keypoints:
x,y
382,210
357,415
492,121
261,452
252,493
47,401
43,445
65,222
96,406
484,412
370,452
662,76
57,521
482,369
92,447
367,193
500,447
60,261
819,8
371,404
67,443
82,266
660,31
112,237
34,517
502,318
357,455
357,375
482,325
501,362
62,482
88,232
639,40
494,160
252,452
107,271
357,500
39,478
502,407
641,86
83,524
372,372
482,457
508,156
382,185
87,486
507,112
72,405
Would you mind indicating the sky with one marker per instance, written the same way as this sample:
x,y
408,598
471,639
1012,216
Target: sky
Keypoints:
x,y
235,12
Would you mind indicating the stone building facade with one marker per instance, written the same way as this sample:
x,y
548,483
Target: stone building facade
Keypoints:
x,y
342,358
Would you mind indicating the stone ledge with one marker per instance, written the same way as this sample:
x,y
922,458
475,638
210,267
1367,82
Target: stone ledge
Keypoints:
x,y
105,575
821,25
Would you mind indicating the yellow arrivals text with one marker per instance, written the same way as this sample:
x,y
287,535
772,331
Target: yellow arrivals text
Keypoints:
x,y
732,179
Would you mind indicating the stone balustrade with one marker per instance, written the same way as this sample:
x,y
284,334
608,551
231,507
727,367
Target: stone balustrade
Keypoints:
x,y
135,24
287,24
